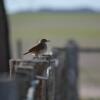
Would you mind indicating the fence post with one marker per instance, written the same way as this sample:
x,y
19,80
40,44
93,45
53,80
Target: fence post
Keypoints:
x,y
60,74
19,48
71,64
4,39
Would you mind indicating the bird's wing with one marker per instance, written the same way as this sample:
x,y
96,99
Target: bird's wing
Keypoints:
x,y
36,48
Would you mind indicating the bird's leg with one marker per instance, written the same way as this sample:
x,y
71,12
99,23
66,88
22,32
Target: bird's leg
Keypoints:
x,y
36,56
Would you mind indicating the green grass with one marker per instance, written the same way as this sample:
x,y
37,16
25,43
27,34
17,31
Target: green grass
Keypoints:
x,y
55,26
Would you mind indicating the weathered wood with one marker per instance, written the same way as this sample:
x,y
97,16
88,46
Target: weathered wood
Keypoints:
x,y
59,78
40,89
45,89
35,69
71,64
66,74
50,85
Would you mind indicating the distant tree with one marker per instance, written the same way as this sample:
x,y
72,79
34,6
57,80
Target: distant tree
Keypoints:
x,y
4,39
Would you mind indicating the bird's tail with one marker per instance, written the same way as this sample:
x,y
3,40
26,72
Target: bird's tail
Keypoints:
x,y
26,53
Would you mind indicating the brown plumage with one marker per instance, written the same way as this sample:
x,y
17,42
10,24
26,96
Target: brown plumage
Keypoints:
x,y
39,48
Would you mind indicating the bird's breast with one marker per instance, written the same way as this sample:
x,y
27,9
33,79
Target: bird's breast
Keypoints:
x,y
43,49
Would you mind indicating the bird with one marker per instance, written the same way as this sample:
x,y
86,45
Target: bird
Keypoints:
x,y
38,49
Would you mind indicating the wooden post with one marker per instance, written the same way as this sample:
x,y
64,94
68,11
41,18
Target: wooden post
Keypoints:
x,y
4,39
71,66
40,88
66,73
19,48
46,88
60,75
50,85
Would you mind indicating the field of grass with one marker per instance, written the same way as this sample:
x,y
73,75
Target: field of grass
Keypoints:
x,y
59,28
56,26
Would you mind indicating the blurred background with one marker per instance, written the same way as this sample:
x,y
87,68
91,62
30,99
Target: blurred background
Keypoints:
x,y
60,21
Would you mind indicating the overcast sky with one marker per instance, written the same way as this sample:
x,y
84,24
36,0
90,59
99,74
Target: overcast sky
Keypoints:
x,y
17,5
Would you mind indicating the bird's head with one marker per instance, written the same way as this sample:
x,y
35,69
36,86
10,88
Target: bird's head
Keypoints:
x,y
44,40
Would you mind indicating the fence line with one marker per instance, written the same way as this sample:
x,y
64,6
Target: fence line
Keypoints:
x,y
63,80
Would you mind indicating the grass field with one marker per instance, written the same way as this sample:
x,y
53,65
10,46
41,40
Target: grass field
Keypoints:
x,y
56,26
59,28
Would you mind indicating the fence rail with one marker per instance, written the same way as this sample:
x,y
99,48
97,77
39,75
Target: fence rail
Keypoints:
x,y
89,50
